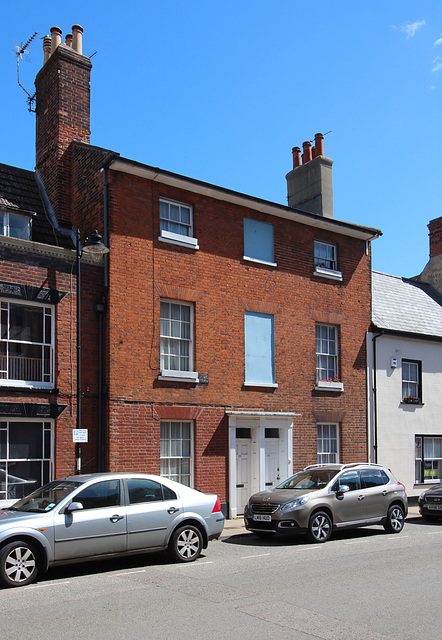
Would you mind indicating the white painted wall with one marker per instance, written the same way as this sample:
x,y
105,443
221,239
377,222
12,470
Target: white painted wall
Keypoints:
x,y
398,423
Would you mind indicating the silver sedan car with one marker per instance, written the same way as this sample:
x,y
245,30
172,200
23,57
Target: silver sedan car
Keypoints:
x,y
91,517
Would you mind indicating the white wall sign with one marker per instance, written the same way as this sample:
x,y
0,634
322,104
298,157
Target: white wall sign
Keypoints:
x,y
79,435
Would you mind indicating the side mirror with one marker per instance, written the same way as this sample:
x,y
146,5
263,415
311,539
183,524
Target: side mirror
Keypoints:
x,y
343,488
74,506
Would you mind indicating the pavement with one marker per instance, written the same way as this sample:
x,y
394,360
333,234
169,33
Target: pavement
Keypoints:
x,y
235,526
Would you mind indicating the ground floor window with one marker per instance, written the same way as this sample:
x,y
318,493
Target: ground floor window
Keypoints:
x,y
25,457
177,451
428,459
328,443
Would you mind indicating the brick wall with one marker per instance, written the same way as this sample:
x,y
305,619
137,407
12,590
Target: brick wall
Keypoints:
x,y
222,286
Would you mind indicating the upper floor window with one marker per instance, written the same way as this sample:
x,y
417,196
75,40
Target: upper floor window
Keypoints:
x,y
26,344
259,350
328,443
411,382
176,341
327,376
258,241
176,224
326,262
15,225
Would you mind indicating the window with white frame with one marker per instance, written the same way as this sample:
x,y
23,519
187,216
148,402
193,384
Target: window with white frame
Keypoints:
x,y
176,340
428,459
176,224
259,349
15,225
258,241
176,456
325,259
26,344
328,443
326,353
325,255
411,382
25,457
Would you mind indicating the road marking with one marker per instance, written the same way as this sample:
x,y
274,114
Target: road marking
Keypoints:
x,y
44,586
260,555
356,542
434,533
194,564
127,573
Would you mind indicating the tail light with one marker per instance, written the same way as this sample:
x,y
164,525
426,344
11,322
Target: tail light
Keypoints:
x,y
401,485
217,507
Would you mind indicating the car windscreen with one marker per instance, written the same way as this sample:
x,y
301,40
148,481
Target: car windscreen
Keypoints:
x,y
47,497
309,479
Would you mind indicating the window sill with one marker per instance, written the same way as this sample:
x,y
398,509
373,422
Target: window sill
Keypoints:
x,y
328,385
328,273
268,385
413,403
27,386
179,376
256,261
179,240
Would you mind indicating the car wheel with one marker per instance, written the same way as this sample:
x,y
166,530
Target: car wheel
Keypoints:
x,y
395,519
186,544
320,527
18,564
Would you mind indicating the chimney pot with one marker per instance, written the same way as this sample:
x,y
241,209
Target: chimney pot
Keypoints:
x,y
69,40
296,152
47,42
307,152
55,38
77,38
319,144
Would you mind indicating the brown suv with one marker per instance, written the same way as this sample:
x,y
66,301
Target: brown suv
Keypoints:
x,y
322,498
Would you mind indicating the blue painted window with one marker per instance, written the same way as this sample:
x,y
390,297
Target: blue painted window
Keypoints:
x,y
258,240
259,348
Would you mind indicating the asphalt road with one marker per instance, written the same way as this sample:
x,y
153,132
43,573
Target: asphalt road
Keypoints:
x,y
361,585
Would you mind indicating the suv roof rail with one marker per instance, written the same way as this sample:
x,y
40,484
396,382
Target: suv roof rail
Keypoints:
x,y
334,465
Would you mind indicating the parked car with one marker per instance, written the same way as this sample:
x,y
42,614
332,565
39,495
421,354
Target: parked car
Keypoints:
x,y
89,517
322,498
430,503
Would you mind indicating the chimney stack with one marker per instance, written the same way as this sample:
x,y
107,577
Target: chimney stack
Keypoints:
x,y
432,274
309,185
62,112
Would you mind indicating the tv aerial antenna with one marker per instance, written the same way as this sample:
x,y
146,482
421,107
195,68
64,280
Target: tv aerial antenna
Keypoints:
x,y
20,51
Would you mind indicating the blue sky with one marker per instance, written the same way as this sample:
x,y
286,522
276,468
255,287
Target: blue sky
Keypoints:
x,y
222,91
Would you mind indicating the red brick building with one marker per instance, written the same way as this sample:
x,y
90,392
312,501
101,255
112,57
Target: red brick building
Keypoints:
x,y
226,343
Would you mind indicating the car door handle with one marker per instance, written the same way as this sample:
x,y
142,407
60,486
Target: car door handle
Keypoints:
x,y
385,492
116,518
172,510
361,497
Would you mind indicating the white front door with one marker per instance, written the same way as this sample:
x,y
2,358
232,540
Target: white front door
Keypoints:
x,y
243,448
272,475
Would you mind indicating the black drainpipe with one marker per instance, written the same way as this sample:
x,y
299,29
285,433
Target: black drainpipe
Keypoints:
x,y
101,310
375,403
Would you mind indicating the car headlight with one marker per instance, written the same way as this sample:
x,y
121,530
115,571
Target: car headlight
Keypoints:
x,y
422,497
295,503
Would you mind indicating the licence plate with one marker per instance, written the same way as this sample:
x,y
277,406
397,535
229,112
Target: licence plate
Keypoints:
x,y
438,507
262,518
